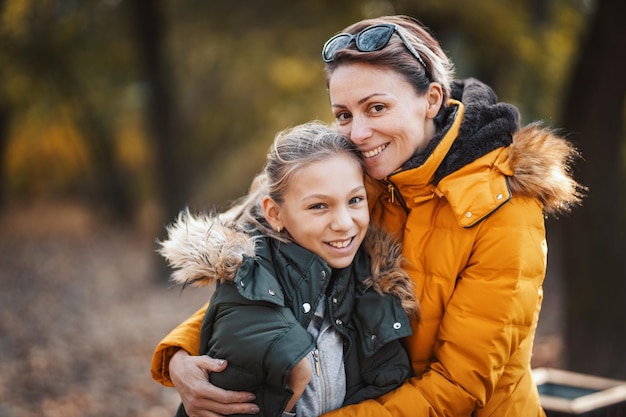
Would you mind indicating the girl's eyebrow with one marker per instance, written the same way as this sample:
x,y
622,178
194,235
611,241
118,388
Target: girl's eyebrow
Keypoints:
x,y
320,196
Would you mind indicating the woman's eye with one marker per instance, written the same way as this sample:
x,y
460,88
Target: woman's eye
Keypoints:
x,y
356,200
377,108
317,206
343,117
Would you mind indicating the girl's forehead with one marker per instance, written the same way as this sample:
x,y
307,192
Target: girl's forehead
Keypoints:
x,y
327,173
342,161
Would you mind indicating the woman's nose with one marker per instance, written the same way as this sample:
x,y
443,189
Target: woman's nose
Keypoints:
x,y
360,130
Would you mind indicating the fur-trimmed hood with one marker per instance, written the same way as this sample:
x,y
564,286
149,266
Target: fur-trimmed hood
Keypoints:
x,y
541,163
538,162
203,249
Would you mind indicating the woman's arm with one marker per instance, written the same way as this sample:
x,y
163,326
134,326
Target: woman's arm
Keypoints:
x,y
175,364
190,375
185,336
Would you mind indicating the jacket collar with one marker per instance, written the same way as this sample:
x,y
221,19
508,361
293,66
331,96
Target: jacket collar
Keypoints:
x,y
481,158
475,128
473,124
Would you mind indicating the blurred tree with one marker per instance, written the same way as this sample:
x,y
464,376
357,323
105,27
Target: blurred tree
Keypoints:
x,y
595,235
161,118
4,138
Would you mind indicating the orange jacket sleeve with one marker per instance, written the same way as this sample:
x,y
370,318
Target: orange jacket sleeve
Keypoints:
x,y
185,336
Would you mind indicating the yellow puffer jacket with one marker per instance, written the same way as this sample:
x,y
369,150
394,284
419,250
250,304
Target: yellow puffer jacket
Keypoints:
x,y
470,210
471,215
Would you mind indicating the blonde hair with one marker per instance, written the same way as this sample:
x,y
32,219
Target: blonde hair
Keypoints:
x,y
293,149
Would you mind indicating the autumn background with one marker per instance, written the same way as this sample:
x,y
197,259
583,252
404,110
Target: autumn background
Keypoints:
x,y
116,114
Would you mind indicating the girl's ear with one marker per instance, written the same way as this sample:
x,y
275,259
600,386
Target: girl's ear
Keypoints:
x,y
271,210
435,99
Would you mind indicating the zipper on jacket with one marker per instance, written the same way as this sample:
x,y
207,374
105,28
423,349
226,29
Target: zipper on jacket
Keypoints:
x,y
394,194
392,190
316,358
329,350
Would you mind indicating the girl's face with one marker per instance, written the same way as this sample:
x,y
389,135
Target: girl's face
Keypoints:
x,y
325,209
382,113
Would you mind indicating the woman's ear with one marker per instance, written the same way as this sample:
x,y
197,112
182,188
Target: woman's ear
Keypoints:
x,y
435,100
271,211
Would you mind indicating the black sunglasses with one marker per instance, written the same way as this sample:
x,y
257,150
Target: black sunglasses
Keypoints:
x,y
372,38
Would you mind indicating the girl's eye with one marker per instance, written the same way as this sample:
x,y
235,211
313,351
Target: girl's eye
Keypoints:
x,y
318,206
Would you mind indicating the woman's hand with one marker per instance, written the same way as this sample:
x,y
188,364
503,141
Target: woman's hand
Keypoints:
x,y
190,376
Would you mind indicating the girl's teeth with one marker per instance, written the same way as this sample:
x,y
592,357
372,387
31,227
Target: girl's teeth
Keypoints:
x,y
340,245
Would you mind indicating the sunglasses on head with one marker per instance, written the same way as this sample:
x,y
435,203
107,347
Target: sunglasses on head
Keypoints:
x,y
372,38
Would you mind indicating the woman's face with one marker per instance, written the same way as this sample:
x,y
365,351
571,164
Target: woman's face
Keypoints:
x,y
325,209
383,114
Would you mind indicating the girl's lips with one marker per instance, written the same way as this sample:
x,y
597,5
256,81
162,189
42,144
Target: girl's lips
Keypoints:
x,y
373,152
340,244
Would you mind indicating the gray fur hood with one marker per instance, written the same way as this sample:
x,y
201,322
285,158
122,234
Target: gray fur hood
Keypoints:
x,y
203,249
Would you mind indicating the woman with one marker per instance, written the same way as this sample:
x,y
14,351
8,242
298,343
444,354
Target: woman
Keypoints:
x,y
468,190
296,291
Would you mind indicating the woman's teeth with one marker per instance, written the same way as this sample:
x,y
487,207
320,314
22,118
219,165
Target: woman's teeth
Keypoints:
x,y
373,152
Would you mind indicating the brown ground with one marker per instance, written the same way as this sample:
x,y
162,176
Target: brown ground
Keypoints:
x,y
81,311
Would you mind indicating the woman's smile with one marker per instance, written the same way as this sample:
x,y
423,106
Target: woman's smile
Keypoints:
x,y
373,152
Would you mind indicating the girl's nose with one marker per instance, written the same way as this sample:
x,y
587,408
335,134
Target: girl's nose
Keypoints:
x,y
342,220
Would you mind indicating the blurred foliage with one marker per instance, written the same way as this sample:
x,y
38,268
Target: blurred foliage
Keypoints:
x,y
524,49
73,96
